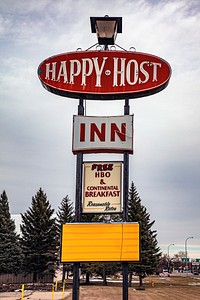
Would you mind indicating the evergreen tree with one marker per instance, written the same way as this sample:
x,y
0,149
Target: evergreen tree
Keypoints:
x,y
10,252
150,252
104,270
65,214
39,238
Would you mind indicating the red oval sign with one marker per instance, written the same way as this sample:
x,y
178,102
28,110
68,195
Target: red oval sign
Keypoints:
x,y
104,75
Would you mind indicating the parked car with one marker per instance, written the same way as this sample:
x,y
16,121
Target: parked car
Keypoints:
x,y
196,272
164,274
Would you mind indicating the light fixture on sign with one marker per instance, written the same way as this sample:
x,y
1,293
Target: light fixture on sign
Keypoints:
x,y
106,29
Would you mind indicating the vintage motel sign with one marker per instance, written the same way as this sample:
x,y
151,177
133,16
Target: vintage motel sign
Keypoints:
x,y
104,75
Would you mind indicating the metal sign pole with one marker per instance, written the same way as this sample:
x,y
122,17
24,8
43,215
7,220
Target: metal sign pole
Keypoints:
x,y
79,174
125,204
126,171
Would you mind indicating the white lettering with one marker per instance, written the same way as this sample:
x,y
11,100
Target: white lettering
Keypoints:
x,y
98,70
91,71
62,71
121,72
155,66
135,72
144,72
84,73
72,67
52,71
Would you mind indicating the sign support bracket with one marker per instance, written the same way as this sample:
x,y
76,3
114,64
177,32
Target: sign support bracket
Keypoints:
x,y
79,175
79,162
125,204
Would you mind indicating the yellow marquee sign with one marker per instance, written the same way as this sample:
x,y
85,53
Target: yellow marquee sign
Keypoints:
x,y
85,242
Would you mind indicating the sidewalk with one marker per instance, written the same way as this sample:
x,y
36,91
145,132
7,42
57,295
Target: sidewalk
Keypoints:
x,y
34,295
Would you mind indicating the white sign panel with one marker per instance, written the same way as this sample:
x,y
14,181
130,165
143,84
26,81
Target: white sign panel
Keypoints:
x,y
102,134
102,187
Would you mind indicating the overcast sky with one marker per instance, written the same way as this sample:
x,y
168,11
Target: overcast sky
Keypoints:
x,y
36,126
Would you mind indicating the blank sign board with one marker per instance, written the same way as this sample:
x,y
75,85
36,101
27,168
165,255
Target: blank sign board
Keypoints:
x,y
86,242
